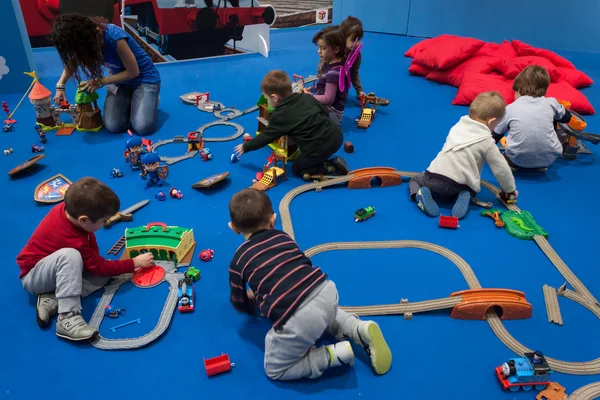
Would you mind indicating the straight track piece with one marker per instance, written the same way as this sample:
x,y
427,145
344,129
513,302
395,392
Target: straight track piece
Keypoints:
x,y
117,247
552,307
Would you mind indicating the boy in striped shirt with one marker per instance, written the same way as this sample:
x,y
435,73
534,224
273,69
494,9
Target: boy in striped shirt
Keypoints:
x,y
297,297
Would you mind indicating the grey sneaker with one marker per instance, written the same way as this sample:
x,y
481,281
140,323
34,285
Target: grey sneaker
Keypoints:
x,y
74,328
46,308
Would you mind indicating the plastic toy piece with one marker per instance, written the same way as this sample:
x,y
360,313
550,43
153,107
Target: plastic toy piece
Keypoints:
x,y
206,255
273,173
114,328
37,149
8,151
378,101
194,141
175,194
364,213
166,243
477,302
552,307
116,173
448,222
193,273
205,154
234,158
523,226
8,128
160,196
362,178
519,222
148,277
117,247
9,120
126,215
247,137
554,391
52,190
495,215
134,149
111,312
526,372
218,365
348,147
40,133
186,296
152,169
509,198
484,204
211,181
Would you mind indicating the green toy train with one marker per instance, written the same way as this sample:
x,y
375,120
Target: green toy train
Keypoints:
x,y
364,213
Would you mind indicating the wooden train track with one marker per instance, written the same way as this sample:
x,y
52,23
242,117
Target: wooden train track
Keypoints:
x,y
552,307
117,247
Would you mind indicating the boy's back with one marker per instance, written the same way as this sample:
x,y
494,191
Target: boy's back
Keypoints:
x,y
301,117
532,141
277,271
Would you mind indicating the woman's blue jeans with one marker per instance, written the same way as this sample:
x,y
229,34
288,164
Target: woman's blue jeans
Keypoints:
x,y
134,106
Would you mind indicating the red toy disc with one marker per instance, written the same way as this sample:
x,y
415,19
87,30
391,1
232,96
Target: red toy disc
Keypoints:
x,y
148,277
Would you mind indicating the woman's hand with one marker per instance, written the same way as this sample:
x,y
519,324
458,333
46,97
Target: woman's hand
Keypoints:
x,y
60,95
90,86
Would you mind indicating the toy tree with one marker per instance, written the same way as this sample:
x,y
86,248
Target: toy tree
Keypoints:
x,y
90,117
8,119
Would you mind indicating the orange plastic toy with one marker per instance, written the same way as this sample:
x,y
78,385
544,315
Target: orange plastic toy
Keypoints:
x,y
554,391
496,217
509,304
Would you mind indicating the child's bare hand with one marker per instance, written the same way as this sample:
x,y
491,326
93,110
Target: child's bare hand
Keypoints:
x,y
144,260
307,90
250,294
239,150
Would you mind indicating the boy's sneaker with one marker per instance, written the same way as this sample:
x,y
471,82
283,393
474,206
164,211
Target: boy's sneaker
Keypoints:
x,y
46,308
426,202
371,339
462,204
73,327
337,165
340,354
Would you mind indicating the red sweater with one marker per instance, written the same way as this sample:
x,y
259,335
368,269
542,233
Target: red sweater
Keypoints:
x,y
56,232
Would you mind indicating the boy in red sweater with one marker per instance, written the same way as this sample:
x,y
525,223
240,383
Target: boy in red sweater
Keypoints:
x,y
61,262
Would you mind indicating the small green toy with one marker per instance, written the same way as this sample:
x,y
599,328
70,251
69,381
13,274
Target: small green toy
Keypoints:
x,y
193,273
518,224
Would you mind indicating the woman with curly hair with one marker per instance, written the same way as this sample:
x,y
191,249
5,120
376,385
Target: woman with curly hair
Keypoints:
x,y
85,46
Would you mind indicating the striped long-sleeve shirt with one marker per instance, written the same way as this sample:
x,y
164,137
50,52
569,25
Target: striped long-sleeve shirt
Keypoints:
x,y
277,271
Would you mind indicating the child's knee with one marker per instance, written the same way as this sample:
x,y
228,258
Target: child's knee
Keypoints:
x,y
143,126
272,373
71,257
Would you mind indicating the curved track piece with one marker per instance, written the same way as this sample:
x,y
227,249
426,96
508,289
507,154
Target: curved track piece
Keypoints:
x,y
587,392
163,321
576,368
239,131
231,113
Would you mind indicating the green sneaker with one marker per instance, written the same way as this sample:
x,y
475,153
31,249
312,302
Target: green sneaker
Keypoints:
x,y
371,339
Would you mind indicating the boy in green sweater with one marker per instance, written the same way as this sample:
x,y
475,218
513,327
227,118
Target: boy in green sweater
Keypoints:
x,y
301,117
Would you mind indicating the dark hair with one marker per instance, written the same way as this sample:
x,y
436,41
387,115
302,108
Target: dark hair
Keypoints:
x,y
250,210
532,81
487,105
92,198
352,28
323,31
277,82
79,41
334,38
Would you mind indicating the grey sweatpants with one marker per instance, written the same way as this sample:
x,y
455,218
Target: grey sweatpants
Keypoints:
x,y
62,272
290,352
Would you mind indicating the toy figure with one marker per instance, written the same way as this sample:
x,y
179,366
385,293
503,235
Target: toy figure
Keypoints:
x,y
151,168
134,148
206,255
538,357
160,196
41,133
206,154
175,194
247,137
195,141
116,173
234,158
113,312
37,149
8,128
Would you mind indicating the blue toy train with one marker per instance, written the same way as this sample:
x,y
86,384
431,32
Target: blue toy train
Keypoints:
x,y
525,372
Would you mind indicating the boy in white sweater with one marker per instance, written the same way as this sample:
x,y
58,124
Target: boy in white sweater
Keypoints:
x,y
455,174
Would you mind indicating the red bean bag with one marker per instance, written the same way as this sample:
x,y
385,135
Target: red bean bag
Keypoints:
x,y
525,49
419,70
474,83
564,91
416,48
445,52
511,68
504,51
576,78
476,64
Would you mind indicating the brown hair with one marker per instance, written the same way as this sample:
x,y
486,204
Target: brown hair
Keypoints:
x,y
352,28
334,37
250,210
532,81
92,198
487,105
277,82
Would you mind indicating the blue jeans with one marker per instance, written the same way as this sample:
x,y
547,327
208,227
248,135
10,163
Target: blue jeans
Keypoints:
x,y
132,105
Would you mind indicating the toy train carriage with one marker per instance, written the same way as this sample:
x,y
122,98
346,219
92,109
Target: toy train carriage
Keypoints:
x,y
364,213
524,372
186,296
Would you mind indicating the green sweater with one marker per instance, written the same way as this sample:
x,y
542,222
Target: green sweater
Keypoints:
x,y
302,118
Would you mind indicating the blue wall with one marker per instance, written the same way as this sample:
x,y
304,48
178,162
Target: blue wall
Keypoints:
x,y
552,24
14,48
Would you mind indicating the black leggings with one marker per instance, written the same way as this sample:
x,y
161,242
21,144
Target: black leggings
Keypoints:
x,y
314,163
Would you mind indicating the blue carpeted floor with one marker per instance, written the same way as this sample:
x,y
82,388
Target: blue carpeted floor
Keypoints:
x,y
434,356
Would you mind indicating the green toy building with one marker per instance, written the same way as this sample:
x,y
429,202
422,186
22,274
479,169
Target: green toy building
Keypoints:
x,y
167,243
